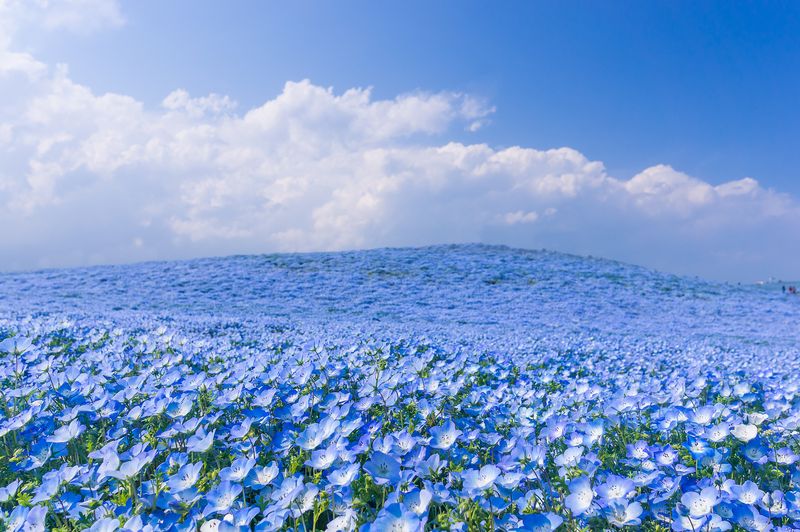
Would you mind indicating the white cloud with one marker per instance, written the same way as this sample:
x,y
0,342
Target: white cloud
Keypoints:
x,y
520,217
77,16
88,177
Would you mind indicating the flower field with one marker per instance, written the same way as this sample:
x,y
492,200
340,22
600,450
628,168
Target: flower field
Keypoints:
x,y
441,388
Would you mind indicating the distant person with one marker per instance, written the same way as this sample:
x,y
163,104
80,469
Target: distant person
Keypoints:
x,y
783,289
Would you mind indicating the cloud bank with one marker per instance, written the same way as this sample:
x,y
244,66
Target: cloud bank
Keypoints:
x,y
97,178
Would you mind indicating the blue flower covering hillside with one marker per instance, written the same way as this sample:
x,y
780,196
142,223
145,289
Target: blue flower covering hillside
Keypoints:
x,y
440,388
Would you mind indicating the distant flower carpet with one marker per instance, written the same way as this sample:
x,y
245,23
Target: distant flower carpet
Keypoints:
x,y
441,388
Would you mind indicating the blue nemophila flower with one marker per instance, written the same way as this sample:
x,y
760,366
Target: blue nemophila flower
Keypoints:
x,y
221,497
344,522
571,457
541,522
615,487
261,477
200,442
580,496
178,409
8,491
683,522
665,455
785,456
185,478
131,468
51,482
240,431
344,475
444,436
623,513
16,345
288,491
774,503
749,518
747,493
27,519
67,433
430,466
238,470
417,500
703,415
396,518
323,458
481,479
745,432
718,432
383,468
106,524
316,433
756,452
700,504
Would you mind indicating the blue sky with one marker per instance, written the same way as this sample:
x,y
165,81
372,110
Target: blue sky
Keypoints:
x,y
711,88
660,133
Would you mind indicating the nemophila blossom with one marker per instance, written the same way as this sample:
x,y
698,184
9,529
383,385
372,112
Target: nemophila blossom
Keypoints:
x,y
185,478
240,431
316,433
444,436
510,481
261,477
703,415
698,448
201,441
131,468
27,519
51,482
180,408
623,513
541,522
749,518
344,475
747,493
396,518
592,432
718,432
285,494
665,456
383,468
580,496
615,487
480,479
570,457
343,523
785,456
700,504
430,466
106,524
238,469
639,450
221,497
67,433
774,503
745,432
418,500
555,428
16,345
8,491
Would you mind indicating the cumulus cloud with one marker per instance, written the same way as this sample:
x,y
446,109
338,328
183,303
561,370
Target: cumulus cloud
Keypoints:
x,y
77,16
87,178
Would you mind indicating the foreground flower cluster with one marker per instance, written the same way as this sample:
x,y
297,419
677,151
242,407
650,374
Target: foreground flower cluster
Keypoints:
x,y
144,421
